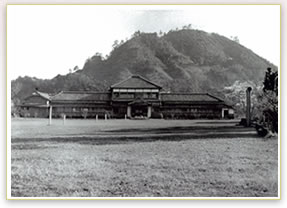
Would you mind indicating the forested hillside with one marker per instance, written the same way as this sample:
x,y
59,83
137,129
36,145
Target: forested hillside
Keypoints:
x,y
184,60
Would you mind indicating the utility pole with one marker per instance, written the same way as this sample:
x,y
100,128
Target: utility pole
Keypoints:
x,y
248,107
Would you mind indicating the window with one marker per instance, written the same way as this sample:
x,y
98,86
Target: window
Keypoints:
x,y
153,95
126,95
116,94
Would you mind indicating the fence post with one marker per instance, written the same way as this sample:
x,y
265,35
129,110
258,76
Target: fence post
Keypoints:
x,y
50,114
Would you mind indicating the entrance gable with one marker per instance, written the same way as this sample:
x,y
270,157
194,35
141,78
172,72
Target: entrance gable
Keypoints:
x,y
136,82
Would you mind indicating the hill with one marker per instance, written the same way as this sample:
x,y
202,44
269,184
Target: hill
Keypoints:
x,y
185,60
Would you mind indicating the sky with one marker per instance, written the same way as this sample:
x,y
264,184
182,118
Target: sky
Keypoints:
x,y
44,41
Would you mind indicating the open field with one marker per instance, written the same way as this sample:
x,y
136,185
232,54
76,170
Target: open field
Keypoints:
x,y
39,128
141,158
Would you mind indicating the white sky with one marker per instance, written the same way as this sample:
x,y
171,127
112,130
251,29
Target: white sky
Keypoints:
x,y
43,41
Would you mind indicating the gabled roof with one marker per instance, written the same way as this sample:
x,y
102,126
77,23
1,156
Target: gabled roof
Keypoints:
x,y
189,97
139,101
136,82
81,95
43,95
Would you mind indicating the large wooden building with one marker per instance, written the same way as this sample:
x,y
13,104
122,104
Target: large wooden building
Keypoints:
x,y
134,97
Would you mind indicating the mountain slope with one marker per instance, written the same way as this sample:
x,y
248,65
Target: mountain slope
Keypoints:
x,y
211,50
206,60
185,60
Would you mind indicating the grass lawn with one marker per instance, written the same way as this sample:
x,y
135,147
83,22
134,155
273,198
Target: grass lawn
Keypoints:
x,y
39,128
46,162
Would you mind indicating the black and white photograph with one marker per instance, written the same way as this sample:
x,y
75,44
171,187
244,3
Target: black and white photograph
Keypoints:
x,y
143,101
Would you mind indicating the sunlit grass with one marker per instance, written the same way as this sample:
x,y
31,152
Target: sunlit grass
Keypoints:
x,y
243,167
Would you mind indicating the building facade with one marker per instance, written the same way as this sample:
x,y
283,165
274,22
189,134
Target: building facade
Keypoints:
x,y
134,97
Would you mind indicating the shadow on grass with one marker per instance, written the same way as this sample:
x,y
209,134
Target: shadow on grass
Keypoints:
x,y
118,140
184,129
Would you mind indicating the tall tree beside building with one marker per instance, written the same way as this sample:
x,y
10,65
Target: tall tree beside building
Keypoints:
x,y
269,100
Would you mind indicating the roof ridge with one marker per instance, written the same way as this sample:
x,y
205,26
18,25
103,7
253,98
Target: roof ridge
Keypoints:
x,y
184,93
91,92
141,77
135,76
120,82
44,95
215,97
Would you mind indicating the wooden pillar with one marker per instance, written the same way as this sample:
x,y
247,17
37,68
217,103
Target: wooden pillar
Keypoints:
x,y
64,119
50,114
149,111
222,113
248,107
129,111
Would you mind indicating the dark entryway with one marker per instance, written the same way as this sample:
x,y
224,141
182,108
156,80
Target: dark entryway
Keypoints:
x,y
139,111
225,113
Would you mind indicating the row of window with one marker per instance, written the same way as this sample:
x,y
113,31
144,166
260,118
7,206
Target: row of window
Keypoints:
x,y
93,109
138,95
191,110
79,109
135,90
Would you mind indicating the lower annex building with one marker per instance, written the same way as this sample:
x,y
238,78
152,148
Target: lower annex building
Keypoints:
x,y
135,97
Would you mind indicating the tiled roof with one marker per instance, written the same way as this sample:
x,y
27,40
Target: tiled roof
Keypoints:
x,y
189,97
44,95
81,96
136,82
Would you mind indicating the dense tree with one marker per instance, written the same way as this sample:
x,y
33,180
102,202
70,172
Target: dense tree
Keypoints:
x,y
76,68
115,44
269,100
270,81
136,34
235,38
236,96
15,101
